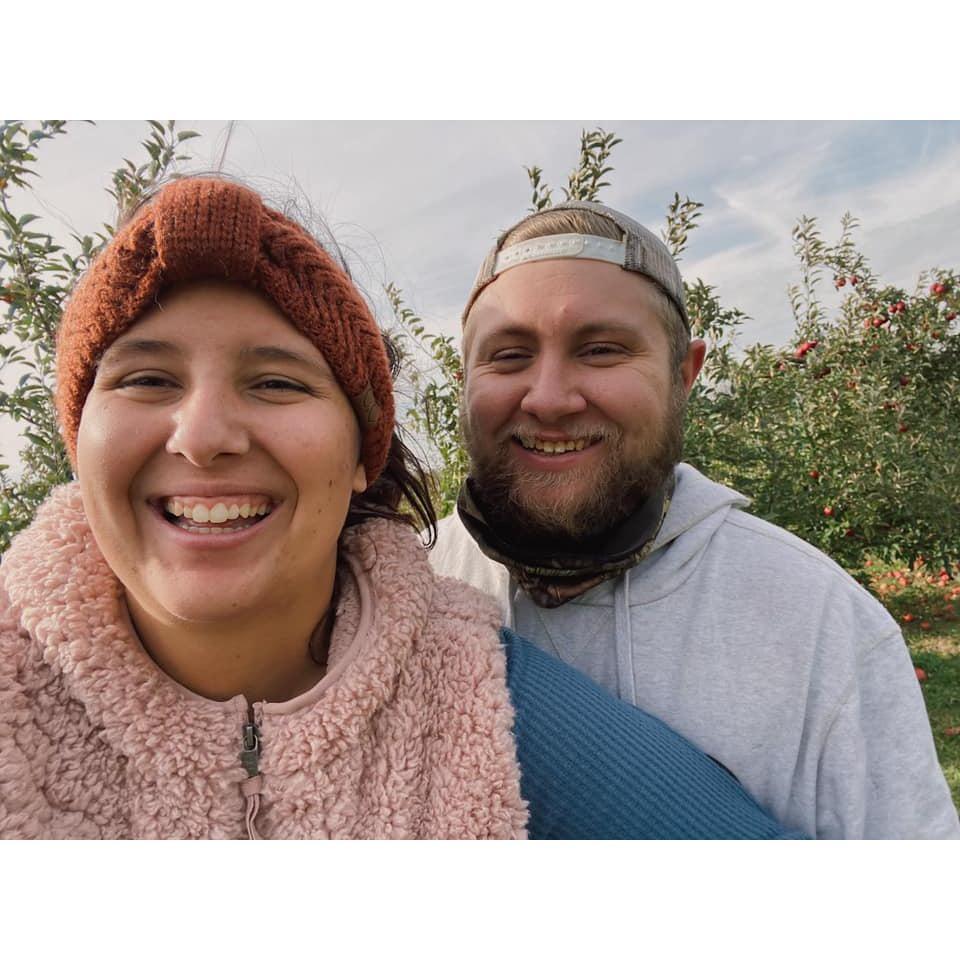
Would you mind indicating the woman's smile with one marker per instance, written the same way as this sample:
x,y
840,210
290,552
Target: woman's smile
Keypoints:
x,y
217,456
216,524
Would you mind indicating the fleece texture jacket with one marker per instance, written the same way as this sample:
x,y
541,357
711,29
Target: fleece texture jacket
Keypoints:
x,y
759,649
408,735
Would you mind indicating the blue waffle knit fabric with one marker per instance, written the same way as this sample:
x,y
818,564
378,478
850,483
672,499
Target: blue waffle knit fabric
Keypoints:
x,y
597,768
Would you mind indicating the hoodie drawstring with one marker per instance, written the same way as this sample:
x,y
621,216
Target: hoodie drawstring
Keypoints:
x,y
626,674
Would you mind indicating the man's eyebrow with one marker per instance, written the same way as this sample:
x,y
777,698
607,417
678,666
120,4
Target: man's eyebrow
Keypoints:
x,y
509,331
593,328
616,327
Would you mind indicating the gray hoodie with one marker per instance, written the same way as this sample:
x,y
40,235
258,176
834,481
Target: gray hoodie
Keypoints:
x,y
759,649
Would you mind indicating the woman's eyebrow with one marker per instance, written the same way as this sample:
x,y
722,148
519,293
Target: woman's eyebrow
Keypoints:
x,y
284,354
124,349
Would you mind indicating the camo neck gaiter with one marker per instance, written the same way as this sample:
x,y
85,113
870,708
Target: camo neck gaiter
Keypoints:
x,y
552,578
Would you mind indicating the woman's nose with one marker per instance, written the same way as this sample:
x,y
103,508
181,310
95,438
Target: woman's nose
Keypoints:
x,y
207,423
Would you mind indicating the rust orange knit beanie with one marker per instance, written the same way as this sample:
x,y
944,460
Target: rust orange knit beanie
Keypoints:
x,y
207,229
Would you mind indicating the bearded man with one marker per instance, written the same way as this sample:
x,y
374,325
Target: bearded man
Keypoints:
x,y
607,551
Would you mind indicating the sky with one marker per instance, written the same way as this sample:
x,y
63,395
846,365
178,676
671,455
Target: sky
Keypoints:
x,y
419,203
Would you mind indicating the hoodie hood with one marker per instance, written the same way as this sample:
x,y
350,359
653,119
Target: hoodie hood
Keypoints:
x,y
697,511
695,499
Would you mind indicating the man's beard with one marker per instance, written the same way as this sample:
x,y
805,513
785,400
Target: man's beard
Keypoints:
x,y
528,504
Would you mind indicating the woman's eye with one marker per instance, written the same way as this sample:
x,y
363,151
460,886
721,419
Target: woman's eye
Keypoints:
x,y
146,380
275,383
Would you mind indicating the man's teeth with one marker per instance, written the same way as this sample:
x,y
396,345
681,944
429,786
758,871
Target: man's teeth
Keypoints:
x,y
218,513
559,446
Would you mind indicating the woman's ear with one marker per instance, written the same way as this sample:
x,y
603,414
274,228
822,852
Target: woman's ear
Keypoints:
x,y
360,478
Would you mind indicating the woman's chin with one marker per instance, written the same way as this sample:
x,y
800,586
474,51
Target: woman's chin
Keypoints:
x,y
198,603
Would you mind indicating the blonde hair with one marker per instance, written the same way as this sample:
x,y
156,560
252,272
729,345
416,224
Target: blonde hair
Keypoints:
x,y
588,223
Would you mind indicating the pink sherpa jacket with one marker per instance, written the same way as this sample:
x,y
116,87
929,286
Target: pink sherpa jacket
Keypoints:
x,y
408,735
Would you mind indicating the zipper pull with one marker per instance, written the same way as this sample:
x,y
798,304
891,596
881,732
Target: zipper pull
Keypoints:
x,y
250,754
251,787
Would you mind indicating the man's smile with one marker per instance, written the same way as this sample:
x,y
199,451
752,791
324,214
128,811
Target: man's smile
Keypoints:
x,y
554,445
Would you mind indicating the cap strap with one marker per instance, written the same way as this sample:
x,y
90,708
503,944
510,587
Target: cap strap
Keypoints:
x,y
562,246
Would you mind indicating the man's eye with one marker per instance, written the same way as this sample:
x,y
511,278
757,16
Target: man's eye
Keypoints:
x,y
508,355
601,350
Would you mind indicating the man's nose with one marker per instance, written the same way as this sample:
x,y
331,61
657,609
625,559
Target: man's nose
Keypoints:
x,y
208,423
553,392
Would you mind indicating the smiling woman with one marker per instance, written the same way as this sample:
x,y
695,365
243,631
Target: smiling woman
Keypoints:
x,y
227,625
214,415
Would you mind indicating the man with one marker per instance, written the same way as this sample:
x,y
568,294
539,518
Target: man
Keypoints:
x,y
606,550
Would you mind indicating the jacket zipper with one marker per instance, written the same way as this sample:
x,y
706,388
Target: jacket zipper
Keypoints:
x,y
250,761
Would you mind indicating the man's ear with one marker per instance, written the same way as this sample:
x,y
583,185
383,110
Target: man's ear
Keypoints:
x,y
466,342
692,363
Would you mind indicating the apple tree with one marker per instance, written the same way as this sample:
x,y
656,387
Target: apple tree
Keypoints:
x,y
36,276
849,436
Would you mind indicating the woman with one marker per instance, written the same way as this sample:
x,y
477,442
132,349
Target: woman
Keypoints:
x,y
226,627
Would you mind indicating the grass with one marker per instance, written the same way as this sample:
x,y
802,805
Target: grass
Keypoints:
x,y
938,655
927,605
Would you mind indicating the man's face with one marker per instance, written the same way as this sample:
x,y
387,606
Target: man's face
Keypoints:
x,y
573,415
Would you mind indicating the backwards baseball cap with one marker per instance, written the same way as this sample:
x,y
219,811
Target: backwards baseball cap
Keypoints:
x,y
639,251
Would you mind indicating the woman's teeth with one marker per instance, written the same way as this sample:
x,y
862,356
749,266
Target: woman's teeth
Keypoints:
x,y
202,515
559,446
190,528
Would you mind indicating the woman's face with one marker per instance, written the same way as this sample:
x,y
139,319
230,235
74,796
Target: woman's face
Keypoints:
x,y
217,455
